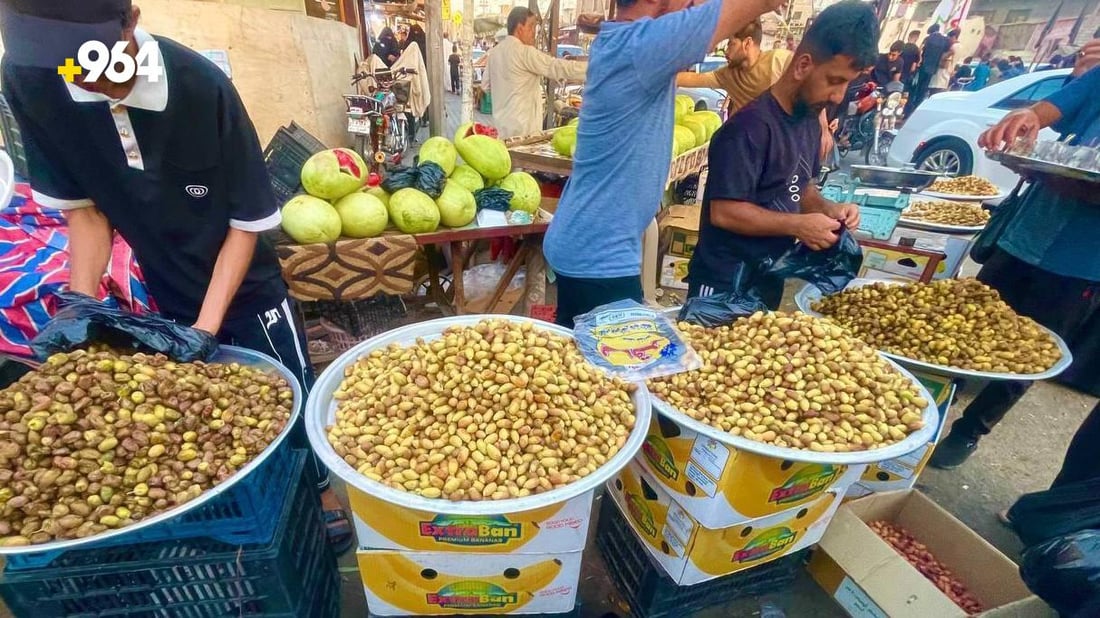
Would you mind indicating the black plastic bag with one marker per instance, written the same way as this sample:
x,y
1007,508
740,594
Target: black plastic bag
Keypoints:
x,y
430,178
83,320
1056,512
493,198
724,307
1065,572
400,178
830,270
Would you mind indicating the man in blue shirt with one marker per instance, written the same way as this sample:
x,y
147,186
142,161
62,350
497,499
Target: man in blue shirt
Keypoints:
x,y
624,143
761,195
1047,263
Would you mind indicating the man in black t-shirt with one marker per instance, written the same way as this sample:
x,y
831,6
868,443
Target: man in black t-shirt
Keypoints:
x,y
169,159
888,65
935,46
760,198
910,57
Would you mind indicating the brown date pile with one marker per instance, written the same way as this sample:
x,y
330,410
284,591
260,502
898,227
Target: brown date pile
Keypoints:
x,y
918,555
959,323
794,381
94,440
492,411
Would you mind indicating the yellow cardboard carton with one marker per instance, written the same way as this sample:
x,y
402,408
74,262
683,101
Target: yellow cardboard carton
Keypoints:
x,y
561,527
428,583
721,486
691,553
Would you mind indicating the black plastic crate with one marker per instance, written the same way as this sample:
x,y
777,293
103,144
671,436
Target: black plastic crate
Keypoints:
x,y
13,141
651,593
293,575
285,155
363,318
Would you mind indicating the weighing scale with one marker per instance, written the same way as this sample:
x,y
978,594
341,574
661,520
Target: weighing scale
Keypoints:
x,y
881,193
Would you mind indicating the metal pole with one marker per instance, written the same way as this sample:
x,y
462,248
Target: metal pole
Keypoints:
x,y
552,49
467,66
364,41
433,10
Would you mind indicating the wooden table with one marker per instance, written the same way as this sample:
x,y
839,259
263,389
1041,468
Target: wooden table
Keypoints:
x,y
459,241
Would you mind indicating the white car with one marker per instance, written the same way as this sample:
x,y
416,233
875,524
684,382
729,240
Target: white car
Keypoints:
x,y
706,98
942,134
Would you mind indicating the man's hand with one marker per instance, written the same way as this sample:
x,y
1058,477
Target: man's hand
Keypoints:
x,y
1087,58
1023,123
846,213
817,231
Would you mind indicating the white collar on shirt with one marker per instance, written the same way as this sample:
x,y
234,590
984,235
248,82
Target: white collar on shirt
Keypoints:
x,y
146,94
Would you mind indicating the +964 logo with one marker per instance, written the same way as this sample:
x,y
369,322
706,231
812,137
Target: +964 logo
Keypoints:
x,y
94,60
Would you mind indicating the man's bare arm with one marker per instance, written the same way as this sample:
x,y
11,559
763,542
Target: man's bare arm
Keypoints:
x,y
817,230
736,14
691,79
230,268
90,240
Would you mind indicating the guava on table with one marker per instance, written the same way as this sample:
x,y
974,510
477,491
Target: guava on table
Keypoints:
x,y
309,219
332,174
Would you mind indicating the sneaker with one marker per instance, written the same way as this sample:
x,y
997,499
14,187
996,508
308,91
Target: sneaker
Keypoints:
x,y
953,451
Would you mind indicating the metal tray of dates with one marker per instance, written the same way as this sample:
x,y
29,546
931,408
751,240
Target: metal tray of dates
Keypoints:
x,y
225,354
320,413
809,294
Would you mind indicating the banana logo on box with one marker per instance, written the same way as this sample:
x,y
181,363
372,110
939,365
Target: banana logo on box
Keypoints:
x,y
471,530
807,482
410,587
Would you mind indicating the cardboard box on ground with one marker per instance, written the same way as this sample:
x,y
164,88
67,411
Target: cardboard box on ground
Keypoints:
x,y
679,233
869,579
692,553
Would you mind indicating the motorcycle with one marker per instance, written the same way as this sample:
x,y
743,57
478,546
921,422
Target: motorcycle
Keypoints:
x,y
857,128
889,110
377,117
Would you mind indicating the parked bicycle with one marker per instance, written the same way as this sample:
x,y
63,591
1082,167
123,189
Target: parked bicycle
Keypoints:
x,y
377,117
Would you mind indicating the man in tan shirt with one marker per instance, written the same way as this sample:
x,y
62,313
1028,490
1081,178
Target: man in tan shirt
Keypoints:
x,y
514,69
748,72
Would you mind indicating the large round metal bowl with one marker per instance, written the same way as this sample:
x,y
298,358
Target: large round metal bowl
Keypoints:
x,y
893,178
809,294
930,417
321,413
226,354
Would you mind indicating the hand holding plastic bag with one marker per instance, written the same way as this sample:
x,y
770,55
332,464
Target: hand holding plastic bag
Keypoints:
x,y
83,319
830,270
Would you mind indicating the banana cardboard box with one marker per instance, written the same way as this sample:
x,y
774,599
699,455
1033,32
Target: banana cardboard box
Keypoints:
x,y
428,583
561,527
691,553
901,473
721,486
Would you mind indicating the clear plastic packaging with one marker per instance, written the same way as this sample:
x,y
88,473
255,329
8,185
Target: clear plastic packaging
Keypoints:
x,y
634,342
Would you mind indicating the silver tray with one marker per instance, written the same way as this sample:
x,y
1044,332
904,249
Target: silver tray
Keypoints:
x,y
225,354
321,412
893,178
809,294
912,442
918,224
1020,164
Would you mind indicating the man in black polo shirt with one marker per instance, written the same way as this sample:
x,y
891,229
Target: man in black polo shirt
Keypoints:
x,y
761,197
170,161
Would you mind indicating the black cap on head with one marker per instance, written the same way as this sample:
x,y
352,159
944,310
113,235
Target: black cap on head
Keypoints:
x,y
44,33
